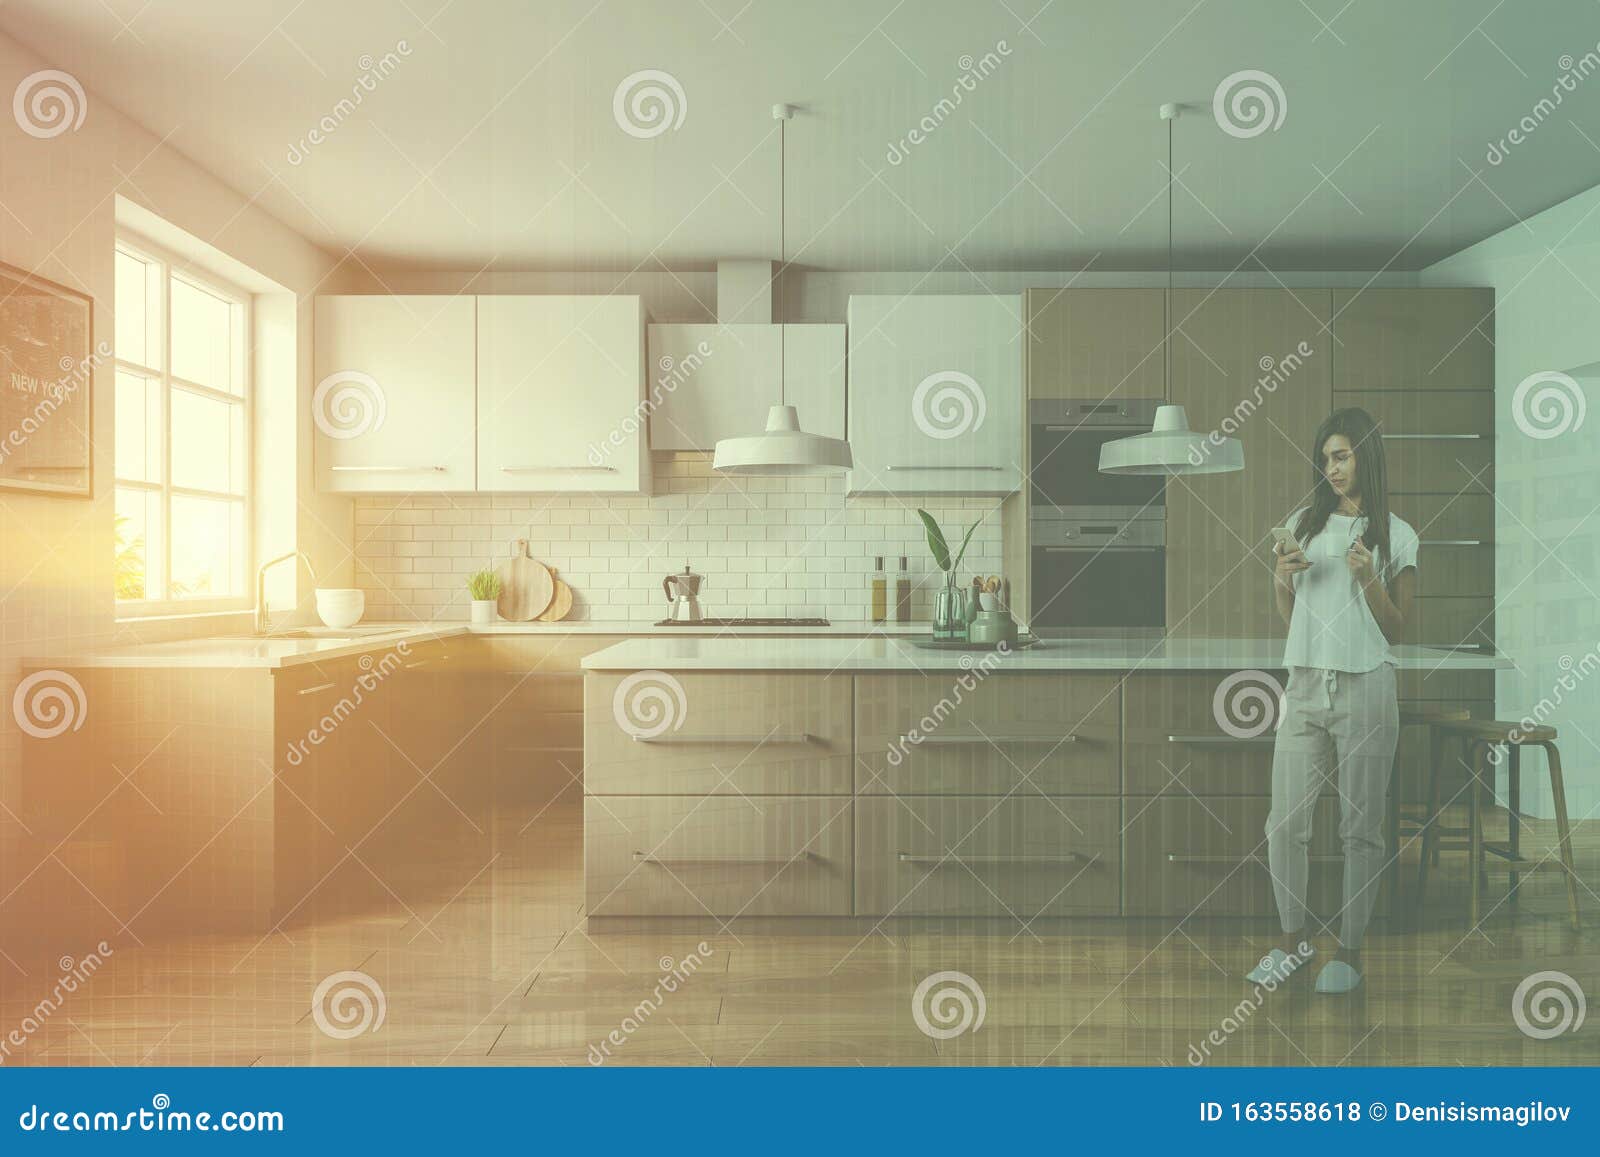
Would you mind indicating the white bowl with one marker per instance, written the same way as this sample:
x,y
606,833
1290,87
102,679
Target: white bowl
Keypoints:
x,y
340,606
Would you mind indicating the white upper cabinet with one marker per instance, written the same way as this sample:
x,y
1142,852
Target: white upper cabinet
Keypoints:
x,y
936,394
561,402
394,405
717,381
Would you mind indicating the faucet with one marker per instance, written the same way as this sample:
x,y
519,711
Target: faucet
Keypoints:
x,y
263,619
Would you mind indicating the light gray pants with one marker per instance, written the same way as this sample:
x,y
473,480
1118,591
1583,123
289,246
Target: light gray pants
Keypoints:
x,y
1333,720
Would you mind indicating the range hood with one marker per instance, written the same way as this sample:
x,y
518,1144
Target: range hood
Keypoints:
x,y
783,448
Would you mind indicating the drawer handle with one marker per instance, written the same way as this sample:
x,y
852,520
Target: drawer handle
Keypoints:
x,y
1179,858
313,690
568,469
664,861
1452,542
1066,858
387,469
425,662
963,740
670,740
1221,740
994,468
1436,437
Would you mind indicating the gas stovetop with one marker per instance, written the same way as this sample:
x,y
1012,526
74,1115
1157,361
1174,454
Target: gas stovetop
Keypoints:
x,y
746,623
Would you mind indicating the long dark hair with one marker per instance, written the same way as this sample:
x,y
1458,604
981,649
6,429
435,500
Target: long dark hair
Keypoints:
x,y
1372,477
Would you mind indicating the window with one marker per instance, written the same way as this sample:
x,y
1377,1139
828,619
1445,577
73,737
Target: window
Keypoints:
x,y
182,436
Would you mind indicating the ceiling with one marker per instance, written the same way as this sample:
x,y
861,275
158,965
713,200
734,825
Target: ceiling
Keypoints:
x,y
491,140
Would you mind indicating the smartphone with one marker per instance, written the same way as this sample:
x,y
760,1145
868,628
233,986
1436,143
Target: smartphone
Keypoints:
x,y
1287,543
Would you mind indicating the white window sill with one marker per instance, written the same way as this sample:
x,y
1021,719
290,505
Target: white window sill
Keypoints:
x,y
169,615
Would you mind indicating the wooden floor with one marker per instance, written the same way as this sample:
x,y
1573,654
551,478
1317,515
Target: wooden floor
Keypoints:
x,y
486,959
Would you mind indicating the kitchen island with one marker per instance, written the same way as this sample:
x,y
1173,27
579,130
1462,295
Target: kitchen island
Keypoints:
x,y
873,778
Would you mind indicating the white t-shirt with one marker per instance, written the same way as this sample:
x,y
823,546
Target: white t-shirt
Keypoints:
x,y
1331,626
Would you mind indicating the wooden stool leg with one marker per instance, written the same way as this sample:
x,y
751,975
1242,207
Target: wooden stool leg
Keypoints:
x,y
1514,801
1430,834
1558,790
1475,828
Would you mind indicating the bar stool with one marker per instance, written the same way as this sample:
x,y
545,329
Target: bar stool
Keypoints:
x,y
1403,821
1480,736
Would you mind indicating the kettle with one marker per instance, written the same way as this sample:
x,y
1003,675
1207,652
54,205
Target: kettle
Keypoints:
x,y
683,592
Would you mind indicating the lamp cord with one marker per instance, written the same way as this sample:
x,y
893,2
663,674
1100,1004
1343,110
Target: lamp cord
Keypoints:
x,y
1166,341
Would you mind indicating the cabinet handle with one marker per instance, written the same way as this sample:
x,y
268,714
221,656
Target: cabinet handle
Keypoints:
x,y
1221,740
1436,437
315,689
566,469
996,468
1452,542
1065,858
1181,858
387,469
647,858
1456,646
954,740
674,740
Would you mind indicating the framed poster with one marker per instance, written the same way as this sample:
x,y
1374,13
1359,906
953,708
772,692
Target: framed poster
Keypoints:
x,y
47,363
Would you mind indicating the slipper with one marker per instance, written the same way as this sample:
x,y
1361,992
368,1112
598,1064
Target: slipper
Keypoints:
x,y
1276,966
1338,977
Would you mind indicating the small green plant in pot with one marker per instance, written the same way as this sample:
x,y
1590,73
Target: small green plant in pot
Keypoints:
x,y
484,587
949,614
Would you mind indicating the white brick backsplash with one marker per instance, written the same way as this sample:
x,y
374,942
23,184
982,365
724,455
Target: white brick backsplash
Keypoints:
x,y
767,546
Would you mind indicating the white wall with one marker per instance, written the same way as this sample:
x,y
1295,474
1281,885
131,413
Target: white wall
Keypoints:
x,y
1546,273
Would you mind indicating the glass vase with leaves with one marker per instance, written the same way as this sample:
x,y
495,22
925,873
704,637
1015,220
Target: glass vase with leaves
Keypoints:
x,y
949,602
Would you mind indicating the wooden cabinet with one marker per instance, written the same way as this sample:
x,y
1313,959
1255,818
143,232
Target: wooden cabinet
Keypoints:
x,y
935,398
1414,338
1032,735
561,394
717,381
394,407
979,856
1095,343
1253,363
1176,744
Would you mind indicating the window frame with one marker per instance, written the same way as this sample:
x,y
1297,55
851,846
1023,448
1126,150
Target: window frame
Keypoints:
x,y
171,265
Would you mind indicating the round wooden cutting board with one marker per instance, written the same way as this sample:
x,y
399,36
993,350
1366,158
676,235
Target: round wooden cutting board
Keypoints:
x,y
560,604
526,587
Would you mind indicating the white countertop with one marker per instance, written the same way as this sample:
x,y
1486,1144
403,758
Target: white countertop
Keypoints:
x,y
880,654
325,644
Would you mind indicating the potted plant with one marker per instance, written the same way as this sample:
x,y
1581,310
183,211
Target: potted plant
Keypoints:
x,y
949,611
484,587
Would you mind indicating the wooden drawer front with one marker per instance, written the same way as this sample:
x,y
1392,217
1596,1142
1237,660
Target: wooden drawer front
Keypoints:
x,y
717,855
1424,411
1207,856
781,734
978,856
1448,687
1440,465
933,735
1176,745
1439,518
1447,622
1414,339
1456,571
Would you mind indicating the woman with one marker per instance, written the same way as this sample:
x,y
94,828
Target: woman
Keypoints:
x,y
1346,594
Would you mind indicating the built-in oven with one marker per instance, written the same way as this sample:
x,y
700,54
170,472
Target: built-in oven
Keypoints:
x,y
1066,482
1108,575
